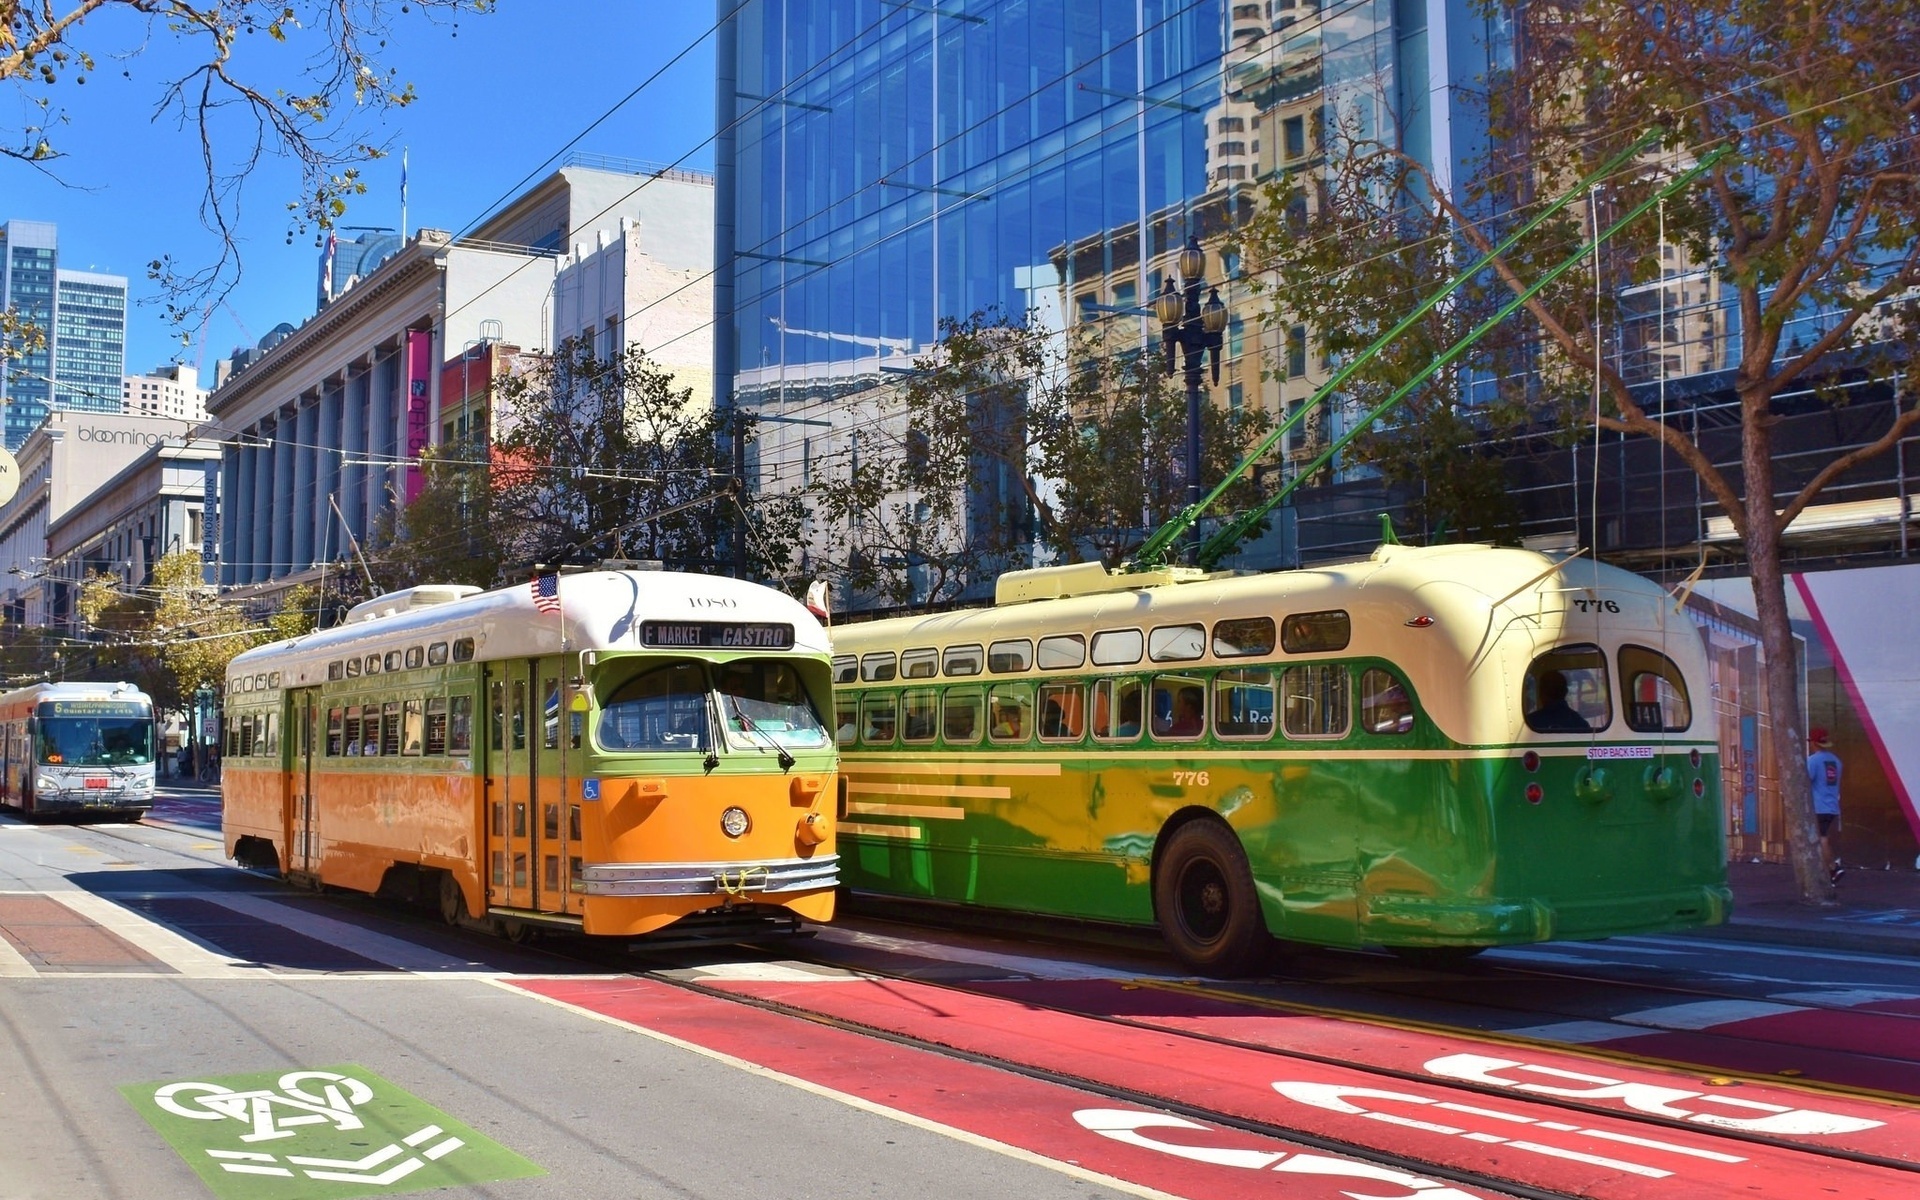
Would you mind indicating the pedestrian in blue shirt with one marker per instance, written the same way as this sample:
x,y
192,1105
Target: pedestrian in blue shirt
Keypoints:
x,y
1823,772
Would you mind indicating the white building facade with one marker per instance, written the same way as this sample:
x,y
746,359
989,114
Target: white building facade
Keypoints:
x,y
170,391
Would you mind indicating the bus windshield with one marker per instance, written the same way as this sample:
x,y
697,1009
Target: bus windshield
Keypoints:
x,y
95,733
762,701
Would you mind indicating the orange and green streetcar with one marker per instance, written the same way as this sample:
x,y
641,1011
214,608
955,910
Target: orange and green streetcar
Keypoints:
x,y
1435,750
616,753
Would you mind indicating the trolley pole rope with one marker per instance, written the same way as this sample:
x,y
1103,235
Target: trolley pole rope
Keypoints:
x,y
1223,542
1154,551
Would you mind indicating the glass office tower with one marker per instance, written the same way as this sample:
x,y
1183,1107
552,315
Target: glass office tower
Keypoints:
x,y
882,166
79,359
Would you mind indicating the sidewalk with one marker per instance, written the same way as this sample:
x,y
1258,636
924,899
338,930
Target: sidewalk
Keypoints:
x,y
1879,911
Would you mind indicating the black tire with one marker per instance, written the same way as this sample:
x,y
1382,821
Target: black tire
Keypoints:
x,y
1208,909
1438,958
453,902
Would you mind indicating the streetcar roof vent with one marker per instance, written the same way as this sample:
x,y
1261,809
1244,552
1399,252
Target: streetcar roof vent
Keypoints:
x,y
1083,579
424,596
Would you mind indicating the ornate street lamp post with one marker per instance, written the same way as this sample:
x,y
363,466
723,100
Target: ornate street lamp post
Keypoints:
x,y
1192,328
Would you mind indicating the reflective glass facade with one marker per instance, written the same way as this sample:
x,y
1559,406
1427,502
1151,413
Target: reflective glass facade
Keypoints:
x,y
883,166
82,321
90,341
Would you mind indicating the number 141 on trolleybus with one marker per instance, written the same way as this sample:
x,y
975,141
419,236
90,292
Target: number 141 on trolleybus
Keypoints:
x,y
609,752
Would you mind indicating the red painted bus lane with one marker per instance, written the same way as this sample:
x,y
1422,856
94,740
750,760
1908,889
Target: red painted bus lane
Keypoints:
x,y
1145,1151
1517,1139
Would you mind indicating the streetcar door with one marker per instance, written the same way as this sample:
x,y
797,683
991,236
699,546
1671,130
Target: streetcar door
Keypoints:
x,y
510,760
547,779
303,709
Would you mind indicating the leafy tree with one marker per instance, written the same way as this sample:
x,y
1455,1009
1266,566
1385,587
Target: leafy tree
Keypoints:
x,y
197,632
1006,434
1807,227
220,92
449,533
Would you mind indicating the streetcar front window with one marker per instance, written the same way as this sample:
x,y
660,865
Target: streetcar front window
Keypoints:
x,y
1566,691
664,709
763,702
105,741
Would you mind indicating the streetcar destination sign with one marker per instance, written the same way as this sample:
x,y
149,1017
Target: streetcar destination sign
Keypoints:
x,y
716,635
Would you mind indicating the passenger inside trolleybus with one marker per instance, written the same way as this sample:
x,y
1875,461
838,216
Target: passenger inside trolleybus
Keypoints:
x,y
1552,713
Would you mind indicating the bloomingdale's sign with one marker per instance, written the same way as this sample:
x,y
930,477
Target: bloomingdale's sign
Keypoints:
x,y
121,437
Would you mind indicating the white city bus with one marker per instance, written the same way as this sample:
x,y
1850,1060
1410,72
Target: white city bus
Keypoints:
x,y
77,747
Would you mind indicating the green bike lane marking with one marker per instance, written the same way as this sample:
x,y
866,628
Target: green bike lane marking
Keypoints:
x,y
322,1133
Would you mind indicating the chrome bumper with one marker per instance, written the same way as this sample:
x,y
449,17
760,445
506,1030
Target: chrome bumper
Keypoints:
x,y
766,876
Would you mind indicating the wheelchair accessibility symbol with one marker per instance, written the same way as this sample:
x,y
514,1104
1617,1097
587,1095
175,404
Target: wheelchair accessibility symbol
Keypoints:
x,y
343,1129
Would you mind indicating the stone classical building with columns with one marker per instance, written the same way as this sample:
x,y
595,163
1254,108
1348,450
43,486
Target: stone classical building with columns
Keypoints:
x,y
320,430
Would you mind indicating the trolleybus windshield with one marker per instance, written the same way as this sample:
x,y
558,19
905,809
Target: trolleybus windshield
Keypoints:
x,y
95,733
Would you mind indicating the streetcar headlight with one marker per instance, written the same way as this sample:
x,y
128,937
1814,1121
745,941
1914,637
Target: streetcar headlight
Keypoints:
x,y
734,822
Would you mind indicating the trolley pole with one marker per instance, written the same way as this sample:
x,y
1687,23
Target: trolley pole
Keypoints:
x,y
1193,329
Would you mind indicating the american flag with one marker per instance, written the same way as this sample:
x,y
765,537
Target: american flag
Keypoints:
x,y
546,593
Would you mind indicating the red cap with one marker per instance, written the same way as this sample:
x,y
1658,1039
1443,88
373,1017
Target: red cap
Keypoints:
x,y
1819,737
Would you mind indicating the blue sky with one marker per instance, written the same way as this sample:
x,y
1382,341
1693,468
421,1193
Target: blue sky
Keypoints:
x,y
496,100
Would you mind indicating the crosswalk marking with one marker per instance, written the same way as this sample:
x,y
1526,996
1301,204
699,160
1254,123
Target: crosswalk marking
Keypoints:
x,y
13,964
1705,1014
183,954
365,943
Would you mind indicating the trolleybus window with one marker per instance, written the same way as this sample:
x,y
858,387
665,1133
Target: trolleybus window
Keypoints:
x,y
846,668
1314,700
878,717
763,704
1010,712
877,668
1243,637
1063,713
95,733
1243,700
1062,652
335,719
1015,654
963,660
413,728
1117,647
437,654
1116,707
1179,707
1316,632
919,714
1385,706
662,709
1656,692
460,725
1177,643
463,649
416,655
960,722
919,664
1566,691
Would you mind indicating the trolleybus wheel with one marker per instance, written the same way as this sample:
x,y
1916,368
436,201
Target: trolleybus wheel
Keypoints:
x,y
453,902
1436,957
1209,911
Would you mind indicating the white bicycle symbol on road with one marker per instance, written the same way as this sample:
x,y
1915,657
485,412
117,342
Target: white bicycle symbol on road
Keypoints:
x,y
273,1114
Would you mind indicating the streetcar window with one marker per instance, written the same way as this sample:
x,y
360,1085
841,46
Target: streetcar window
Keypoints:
x,y
353,668
260,681
437,654
1656,692
246,734
1015,654
260,734
960,717
664,709
1243,638
1063,712
460,725
233,742
373,664
844,723
333,671
919,664
413,728
765,706
846,669
1179,707
519,718
919,712
1243,701
390,727
1566,691
499,709
463,649
550,714
877,668
1314,700
1117,647
878,719
416,655
436,725
335,720
1385,706
273,679
1116,708
1010,712
1316,632
963,660
350,731
1062,652
392,662
1177,643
